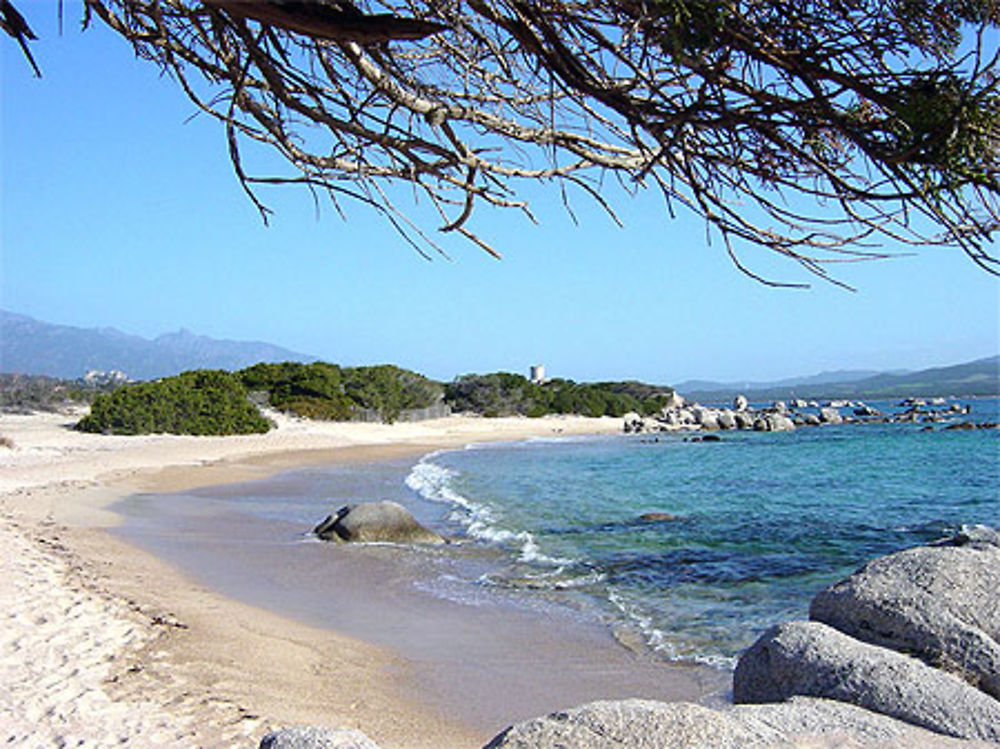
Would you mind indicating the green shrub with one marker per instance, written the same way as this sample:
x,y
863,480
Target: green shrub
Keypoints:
x,y
497,394
202,402
506,394
326,391
315,391
389,390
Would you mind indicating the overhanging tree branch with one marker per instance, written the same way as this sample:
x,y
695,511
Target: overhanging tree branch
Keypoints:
x,y
809,128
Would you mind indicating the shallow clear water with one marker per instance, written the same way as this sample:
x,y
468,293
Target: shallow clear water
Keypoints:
x,y
753,525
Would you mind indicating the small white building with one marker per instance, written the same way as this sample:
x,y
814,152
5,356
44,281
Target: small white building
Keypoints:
x,y
538,374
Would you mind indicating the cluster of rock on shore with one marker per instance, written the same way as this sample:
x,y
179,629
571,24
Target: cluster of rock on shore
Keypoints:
x,y
783,416
903,653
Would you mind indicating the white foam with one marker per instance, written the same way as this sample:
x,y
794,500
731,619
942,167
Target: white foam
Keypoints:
x,y
563,439
659,641
433,482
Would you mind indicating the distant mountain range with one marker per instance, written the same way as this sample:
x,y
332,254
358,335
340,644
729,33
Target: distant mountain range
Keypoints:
x,y
980,377
29,346
839,376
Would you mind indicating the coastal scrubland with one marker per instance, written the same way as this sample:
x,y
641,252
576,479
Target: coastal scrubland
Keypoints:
x,y
218,402
204,402
224,402
27,393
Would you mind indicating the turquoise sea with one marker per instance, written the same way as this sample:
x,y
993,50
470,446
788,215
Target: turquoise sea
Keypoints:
x,y
747,529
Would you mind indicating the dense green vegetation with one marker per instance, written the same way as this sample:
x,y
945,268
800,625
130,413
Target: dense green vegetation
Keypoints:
x,y
219,402
326,391
389,390
506,394
315,391
216,402
201,402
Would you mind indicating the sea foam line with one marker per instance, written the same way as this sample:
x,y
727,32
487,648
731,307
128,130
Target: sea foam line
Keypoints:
x,y
434,483
657,639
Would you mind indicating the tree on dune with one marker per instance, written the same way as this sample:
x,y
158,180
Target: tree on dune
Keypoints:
x,y
818,130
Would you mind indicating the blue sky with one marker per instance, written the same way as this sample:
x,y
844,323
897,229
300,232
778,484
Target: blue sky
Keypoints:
x,y
118,211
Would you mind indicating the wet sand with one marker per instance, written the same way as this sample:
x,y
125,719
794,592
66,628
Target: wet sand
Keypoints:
x,y
486,657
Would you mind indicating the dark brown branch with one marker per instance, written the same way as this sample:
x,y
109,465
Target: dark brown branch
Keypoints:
x,y
12,22
799,127
318,20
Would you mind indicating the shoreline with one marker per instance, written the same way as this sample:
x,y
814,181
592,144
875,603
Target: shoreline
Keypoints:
x,y
485,657
191,665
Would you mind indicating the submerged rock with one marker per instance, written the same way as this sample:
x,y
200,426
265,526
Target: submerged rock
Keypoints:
x,y
940,603
814,660
368,522
658,517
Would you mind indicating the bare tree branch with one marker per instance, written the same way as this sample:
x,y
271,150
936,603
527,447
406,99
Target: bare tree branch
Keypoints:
x,y
812,129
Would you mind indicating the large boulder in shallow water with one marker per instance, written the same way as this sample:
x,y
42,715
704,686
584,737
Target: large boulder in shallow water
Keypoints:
x,y
780,423
830,415
940,603
726,419
312,737
369,522
813,660
633,423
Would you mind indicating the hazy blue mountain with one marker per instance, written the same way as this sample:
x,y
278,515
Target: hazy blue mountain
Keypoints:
x,y
980,377
839,376
29,346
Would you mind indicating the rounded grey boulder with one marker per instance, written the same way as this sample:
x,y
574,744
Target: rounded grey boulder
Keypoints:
x,y
814,660
830,415
811,722
370,522
636,724
642,724
312,737
939,603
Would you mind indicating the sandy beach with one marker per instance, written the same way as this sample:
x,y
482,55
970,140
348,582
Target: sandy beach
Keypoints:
x,y
105,644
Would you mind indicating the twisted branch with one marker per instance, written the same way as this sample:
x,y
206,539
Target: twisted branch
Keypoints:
x,y
812,129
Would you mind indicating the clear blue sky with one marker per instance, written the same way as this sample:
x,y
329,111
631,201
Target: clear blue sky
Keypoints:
x,y
117,211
